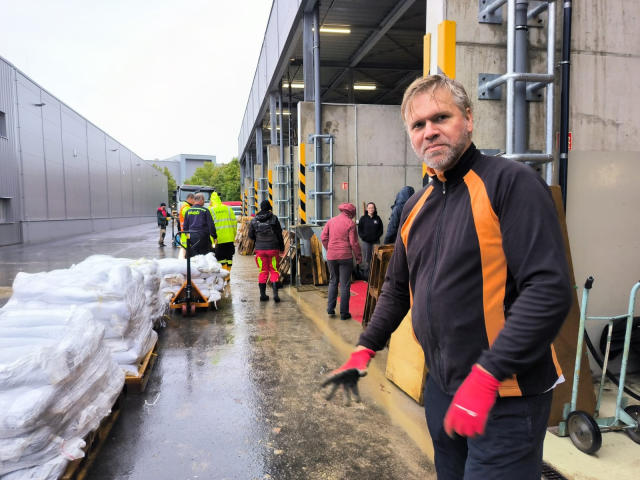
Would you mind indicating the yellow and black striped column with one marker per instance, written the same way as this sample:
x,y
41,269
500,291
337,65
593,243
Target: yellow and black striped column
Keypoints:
x,y
446,61
302,185
246,203
270,186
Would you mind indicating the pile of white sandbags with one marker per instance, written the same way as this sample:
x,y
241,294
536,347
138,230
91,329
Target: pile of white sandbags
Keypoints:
x,y
57,382
206,273
155,306
111,290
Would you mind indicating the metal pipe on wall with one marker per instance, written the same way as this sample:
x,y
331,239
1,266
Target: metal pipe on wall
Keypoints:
x,y
521,112
511,62
564,100
551,63
318,110
260,159
273,119
281,189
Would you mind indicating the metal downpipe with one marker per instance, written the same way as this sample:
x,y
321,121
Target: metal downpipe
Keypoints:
x,y
522,48
564,100
318,111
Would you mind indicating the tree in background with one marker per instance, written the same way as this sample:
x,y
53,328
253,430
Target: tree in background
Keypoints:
x,y
171,182
224,178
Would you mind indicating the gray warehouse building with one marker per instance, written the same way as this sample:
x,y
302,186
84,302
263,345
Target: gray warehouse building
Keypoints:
x,y
60,175
184,165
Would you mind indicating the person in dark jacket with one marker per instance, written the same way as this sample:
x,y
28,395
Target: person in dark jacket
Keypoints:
x,y
370,230
198,219
396,212
266,231
162,222
480,262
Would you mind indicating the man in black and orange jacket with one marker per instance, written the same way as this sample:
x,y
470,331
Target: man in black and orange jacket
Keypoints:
x,y
480,262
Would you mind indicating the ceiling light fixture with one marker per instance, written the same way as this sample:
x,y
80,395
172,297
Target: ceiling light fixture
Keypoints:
x,y
335,30
294,85
364,87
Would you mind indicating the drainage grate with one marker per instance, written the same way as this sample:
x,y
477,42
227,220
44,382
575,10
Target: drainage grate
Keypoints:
x,y
306,288
550,473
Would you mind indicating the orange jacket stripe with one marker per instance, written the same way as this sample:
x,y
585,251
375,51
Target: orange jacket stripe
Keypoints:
x,y
404,233
494,267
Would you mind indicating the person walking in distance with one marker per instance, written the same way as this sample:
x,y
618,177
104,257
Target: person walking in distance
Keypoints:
x,y
198,219
480,262
226,227
402,197
340,239
370,230
162,222
266,231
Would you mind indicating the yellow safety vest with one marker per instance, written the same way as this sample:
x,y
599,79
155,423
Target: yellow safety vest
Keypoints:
x,y
225,222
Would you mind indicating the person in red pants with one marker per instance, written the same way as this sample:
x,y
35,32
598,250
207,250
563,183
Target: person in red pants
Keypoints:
x,y
266,231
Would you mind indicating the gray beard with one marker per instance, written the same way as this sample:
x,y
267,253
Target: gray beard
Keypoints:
x,y
445,162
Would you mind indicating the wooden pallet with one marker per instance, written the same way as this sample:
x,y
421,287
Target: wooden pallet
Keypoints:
x,y
319,266
78,469
380,261
135,384
245,244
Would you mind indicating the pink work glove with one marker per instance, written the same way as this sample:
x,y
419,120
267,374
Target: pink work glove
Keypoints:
x,y
469,410
347,375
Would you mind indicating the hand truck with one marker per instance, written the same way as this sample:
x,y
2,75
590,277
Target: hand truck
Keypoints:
x,y
585,430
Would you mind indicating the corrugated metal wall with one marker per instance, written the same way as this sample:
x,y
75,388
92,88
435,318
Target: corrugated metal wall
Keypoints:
x,y
9,176
64,174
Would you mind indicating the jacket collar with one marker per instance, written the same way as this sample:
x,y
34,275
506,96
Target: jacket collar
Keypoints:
x,y
459,170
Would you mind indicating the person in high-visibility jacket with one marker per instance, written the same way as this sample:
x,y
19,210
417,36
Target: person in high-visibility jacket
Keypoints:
x,y
226,226
185,206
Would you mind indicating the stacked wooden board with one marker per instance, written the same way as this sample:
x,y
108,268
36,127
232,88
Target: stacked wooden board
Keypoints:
x,y
245,244
290,254
318,264
380,262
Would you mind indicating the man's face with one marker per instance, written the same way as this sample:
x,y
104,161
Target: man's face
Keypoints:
x,y
438,130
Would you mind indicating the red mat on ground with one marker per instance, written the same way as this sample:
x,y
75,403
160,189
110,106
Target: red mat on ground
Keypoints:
x,y
358,299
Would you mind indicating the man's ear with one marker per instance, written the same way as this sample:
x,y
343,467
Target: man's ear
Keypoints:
x,y
469,116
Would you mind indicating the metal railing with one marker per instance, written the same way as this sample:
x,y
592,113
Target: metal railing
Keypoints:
x,y
317,196
489,84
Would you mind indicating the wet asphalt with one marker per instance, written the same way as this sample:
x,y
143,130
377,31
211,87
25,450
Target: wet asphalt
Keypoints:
x,y
235,392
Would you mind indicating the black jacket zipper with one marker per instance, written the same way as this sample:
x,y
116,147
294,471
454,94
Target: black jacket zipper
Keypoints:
x,y
433,273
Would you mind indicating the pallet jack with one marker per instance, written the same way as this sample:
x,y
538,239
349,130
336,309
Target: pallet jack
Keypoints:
x,y
189,296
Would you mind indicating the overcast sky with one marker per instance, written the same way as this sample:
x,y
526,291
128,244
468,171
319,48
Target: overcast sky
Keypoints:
x,y
160,76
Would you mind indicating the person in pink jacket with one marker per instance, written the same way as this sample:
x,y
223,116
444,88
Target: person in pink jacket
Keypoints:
x,y
340,238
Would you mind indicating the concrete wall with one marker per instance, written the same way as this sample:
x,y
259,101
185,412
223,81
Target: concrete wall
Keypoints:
x,y
604,165
372,154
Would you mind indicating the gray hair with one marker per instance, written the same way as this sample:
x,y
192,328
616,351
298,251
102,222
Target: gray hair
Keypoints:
x,y
198,197
430,84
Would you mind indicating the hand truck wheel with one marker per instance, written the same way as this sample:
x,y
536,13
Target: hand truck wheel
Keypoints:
x,y
193,310
634,412
184,310
584,432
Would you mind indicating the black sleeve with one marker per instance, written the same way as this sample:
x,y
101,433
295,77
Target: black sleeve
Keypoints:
x,y
380,229
252,232
278,229
536,258
394,302
211,225
392,229
360,227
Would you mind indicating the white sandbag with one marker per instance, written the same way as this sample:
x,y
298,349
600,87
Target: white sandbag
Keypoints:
x,y
53,394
